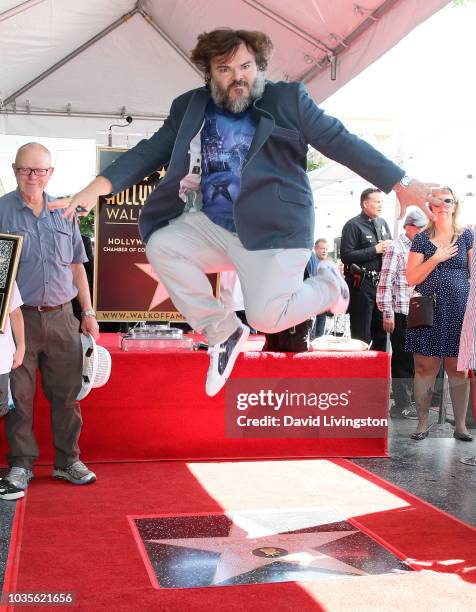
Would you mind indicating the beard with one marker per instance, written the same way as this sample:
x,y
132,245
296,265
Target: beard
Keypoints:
x,y
239,104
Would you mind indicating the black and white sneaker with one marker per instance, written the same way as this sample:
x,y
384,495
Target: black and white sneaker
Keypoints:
x,y
410,412
222,359
8,491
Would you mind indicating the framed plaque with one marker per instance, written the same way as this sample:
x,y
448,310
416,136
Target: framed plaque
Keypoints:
x,y
10,250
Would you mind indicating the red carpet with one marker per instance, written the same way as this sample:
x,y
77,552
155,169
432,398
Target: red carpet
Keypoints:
x,y
154,407
78,538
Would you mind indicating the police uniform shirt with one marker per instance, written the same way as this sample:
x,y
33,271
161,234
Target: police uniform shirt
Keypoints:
x,y
360,235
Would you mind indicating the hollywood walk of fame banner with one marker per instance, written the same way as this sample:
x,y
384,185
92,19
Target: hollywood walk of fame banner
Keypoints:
x,y
126,287
10,250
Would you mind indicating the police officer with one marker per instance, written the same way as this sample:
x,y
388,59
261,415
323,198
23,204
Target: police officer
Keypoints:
x,y
364,240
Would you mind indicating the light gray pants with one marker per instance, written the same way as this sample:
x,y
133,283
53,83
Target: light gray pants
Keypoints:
x,y
275,295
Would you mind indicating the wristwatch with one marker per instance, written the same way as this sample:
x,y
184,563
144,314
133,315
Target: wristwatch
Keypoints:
x,y
88,313
405,180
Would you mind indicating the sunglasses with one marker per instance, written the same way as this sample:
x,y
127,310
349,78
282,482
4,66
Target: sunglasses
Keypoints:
x,y
447,202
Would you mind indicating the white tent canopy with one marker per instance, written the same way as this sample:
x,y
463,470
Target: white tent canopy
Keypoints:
x,y
69,69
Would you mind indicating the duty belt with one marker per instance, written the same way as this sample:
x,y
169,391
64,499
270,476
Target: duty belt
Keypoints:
x,y
358,274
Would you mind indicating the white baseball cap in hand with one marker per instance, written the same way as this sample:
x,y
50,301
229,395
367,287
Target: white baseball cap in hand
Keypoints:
x,y
96,366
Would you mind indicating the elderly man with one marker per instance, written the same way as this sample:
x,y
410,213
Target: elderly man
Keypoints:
x,y
50,275
240,143
393,295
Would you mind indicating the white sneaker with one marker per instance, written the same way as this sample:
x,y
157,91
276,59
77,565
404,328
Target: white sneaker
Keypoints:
x,y
222,359
77,473
19,477
328,268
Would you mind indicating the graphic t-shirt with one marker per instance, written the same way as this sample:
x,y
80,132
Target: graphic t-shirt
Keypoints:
x,y
226,138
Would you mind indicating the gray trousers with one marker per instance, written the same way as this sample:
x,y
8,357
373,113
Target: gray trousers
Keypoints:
x,y
53,346
275,295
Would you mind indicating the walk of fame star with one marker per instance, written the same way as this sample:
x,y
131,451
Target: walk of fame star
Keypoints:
x,y
259,546
160,294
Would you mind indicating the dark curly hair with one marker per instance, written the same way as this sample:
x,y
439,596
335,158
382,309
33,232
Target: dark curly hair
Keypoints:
x,y
224,42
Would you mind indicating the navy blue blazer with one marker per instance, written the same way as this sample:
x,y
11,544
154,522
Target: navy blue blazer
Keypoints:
x,y
274,208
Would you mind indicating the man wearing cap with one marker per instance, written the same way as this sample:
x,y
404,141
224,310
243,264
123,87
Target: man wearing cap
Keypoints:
x,y
393,295
50,275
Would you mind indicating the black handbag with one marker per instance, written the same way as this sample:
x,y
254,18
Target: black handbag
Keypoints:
x,y
420,311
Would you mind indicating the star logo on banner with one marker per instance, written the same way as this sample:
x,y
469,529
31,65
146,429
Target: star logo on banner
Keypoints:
x,y
160,294
241,552
162,173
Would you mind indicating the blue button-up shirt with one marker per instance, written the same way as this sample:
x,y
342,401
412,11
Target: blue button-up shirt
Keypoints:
x,y
50,245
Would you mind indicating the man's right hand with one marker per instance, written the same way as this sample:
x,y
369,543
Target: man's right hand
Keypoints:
x,y
190,182
389,325
382,245
84,199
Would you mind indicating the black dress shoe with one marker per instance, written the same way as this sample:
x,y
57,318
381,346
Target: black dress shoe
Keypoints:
x,y
464,437
419,436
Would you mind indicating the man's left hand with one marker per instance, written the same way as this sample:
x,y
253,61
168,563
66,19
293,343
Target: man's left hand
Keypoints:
x,y
416,194
89,325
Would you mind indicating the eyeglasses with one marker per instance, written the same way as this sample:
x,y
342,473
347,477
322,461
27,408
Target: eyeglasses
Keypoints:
x,y
29,171
447,202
